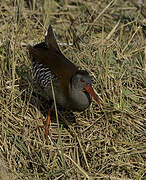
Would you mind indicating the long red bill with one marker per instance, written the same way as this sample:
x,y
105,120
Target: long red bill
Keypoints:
x,y
90,90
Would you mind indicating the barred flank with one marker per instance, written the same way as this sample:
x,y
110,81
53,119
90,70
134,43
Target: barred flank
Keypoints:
x,y
42,75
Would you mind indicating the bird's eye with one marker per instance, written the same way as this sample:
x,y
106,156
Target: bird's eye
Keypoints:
x,y
82,80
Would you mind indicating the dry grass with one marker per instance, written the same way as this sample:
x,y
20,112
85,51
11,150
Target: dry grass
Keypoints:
x,y
4,171
107,143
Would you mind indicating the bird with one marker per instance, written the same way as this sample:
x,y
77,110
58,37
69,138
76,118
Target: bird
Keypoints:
x,y
72,87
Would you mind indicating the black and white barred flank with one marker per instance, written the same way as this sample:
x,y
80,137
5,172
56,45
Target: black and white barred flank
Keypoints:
x,y
42,75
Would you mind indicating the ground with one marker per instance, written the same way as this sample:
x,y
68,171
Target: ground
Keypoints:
x,y
106,38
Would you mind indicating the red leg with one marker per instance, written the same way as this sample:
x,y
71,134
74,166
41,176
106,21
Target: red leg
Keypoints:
x,y
47,125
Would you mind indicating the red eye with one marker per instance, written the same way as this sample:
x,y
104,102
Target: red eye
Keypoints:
x,y
82,80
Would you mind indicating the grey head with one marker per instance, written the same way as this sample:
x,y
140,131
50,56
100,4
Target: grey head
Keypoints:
x,y
80,79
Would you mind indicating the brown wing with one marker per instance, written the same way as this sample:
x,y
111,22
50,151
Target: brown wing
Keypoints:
x,y
52,58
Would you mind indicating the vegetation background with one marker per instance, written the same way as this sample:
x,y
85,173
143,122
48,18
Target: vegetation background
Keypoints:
x,y
107,39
